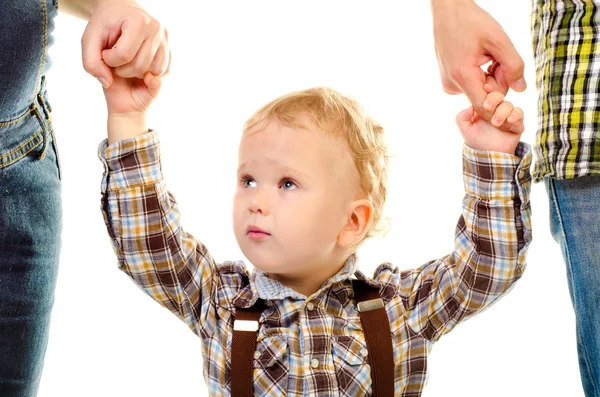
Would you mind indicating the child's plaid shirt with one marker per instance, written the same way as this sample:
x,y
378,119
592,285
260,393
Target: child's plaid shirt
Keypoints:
x,y
314,346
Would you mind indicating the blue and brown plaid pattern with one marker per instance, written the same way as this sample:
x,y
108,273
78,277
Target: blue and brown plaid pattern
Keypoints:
x,y
567,60
315,346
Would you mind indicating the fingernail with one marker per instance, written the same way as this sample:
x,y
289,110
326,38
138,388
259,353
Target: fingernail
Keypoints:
x,y
488,105
496,121
521,85
511,119
103,81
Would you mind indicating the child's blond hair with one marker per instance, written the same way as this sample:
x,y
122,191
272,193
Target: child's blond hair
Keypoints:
x,y
333,113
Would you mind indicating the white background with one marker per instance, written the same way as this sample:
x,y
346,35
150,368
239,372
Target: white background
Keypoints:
x,y
109,339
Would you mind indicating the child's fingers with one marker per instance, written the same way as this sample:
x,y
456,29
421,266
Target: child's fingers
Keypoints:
x,y
517,127
515,121
153,83
515,115
464,119
501,114
491,84
493,100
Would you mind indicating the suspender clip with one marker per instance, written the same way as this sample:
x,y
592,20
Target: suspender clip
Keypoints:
x,y
245,325
369,305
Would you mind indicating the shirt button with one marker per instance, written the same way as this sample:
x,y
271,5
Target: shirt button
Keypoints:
x,y
364,352
314,363
310,306
521,174
256,355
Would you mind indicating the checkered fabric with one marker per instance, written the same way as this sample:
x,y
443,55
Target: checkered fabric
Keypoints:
x,y
315,346
567,60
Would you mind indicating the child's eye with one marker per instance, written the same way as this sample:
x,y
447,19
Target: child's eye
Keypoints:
x,y
288,185
247,181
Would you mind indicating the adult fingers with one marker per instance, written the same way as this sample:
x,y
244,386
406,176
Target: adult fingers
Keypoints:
x,y
471,81
160,63
94,40
503,50
131,38
140,64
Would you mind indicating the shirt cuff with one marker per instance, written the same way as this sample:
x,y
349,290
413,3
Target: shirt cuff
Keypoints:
x,y
497,176
130,162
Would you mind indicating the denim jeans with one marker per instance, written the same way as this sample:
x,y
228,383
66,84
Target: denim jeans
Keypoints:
x,y
575,225
30,195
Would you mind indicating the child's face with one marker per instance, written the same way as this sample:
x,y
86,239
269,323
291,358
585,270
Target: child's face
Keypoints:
x,y
296,186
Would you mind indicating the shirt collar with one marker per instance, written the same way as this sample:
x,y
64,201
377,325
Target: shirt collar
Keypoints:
x,y
267,288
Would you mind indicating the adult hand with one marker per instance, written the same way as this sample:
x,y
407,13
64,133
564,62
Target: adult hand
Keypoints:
x,y
123,36
467,37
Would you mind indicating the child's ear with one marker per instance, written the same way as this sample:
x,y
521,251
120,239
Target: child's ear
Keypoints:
x,y
357,224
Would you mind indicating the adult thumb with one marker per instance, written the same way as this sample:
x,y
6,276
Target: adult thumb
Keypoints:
x,y
471,82
504,51
93,41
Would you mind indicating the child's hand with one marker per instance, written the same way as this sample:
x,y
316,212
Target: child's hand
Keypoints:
x,y
131,95
481,135
127,100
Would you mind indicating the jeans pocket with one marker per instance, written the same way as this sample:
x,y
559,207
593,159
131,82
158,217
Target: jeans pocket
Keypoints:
x,y
18,138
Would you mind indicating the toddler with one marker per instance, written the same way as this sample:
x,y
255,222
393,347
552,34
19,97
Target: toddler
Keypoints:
x,y
312,181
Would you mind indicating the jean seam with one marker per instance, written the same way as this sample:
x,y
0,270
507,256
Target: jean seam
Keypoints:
x,y
22,145
55,146
570,279
11,122
4,165
44,45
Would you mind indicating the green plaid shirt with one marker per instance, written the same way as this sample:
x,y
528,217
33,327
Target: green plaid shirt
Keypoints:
x,y
567,58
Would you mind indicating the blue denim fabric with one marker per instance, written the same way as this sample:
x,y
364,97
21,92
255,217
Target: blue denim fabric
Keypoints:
x,y
30,200
575,225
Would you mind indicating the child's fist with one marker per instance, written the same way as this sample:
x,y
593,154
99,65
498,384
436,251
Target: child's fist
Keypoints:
x,y
481,135
505,116
132,95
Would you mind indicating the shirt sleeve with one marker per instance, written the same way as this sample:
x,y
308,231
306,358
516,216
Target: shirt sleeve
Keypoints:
x,y
491,241
143,221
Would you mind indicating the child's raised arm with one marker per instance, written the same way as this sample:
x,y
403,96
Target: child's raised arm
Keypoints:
x,y
142,217
491,238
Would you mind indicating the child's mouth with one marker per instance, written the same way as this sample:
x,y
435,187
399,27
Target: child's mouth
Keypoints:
x,y
257,235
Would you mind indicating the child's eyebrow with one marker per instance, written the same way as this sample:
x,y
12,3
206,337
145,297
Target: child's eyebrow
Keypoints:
x,y
286,170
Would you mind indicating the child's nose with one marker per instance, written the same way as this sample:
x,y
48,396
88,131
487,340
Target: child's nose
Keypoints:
x,y
258,203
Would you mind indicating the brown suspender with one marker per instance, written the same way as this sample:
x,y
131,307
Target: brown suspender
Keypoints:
x,y
378,335
375,324
243,345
